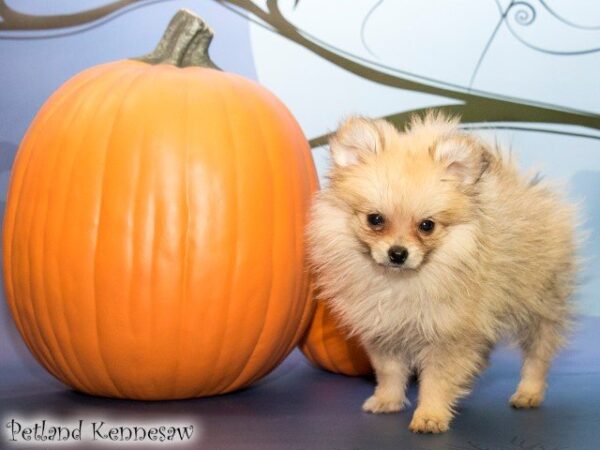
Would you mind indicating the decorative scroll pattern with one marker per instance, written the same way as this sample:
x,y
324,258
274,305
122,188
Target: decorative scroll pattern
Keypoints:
x,y
475,107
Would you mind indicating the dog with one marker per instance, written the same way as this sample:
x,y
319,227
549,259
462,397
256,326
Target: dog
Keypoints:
x,y
431,246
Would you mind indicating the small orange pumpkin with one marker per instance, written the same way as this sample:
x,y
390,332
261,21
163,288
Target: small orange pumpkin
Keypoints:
x,y
153,240
326,345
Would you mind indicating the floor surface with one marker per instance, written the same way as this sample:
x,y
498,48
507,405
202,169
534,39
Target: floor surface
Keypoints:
x,y
300,407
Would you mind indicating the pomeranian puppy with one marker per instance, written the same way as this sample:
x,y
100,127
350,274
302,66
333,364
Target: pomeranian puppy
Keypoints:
x,y
431,247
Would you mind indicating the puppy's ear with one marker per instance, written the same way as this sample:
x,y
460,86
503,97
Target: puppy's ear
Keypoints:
x,y
356,138
463,157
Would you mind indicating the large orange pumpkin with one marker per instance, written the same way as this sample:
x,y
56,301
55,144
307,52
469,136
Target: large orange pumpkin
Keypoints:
x,y
153,239
327,346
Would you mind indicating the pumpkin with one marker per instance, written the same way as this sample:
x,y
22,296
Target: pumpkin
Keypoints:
x,y
327,345
153,239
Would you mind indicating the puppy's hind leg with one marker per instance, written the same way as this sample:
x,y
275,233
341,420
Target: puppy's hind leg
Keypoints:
x,y
539,344
392,372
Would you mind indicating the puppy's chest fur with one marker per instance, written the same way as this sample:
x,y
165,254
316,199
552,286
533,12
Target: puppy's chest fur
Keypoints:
x,y
395,314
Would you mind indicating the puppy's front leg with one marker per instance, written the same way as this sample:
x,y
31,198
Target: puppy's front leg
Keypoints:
x,y
446,375
392,372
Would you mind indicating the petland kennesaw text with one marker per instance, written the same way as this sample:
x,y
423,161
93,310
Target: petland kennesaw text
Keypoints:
x,y
43,431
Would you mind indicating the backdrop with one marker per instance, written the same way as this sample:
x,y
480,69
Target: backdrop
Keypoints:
x,y
522,72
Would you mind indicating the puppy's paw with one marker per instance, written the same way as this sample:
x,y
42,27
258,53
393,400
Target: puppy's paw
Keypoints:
x,y
425,421
527,399
378,405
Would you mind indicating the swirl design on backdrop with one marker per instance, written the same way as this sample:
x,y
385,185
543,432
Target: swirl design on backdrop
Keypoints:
x,y
475,107
524,13
517,15
522,17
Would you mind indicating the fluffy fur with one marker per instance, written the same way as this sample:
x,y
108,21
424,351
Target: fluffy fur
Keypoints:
x,y
500,261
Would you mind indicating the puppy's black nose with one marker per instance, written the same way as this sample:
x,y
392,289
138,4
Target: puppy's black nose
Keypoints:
x,y
397,255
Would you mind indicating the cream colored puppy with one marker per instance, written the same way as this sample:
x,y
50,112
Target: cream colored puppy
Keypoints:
x,y
431,247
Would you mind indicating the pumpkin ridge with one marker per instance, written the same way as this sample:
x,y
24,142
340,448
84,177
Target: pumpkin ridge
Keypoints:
x,y
49,341
297,222
211,382
303,311
16,183
152,76
101,355
69,183
204,304
8,247
134,208
283,348
134,304
236,254
41,343
69,362
65,359
267,157
191,299
205,295
186,233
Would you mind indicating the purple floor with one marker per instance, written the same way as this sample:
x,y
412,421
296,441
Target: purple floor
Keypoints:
x,y
300,407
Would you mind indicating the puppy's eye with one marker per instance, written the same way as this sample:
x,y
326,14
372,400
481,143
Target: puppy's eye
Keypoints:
x,y
427,226
375,220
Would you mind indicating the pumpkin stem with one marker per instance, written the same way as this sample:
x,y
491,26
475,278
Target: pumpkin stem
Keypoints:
x,y
184,43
